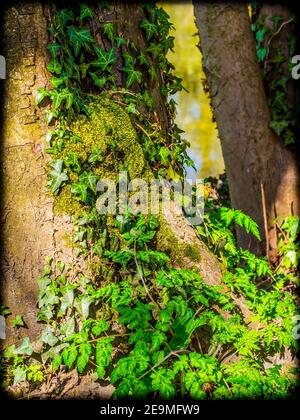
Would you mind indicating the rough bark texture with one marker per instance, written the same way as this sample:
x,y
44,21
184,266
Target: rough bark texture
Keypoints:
x,y
258,166
29,229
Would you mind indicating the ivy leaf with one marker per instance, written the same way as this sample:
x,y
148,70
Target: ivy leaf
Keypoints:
x,y
4,311
48,337
68,327
19,375
49,116
261,53
291,259
120,41
89,179
96,156
45,314
79,38
56,81
105,58
142,59
109,31
54,66
150,28
279,126
42,93
67,299
131,109
164,153
133,76
53,352
64,16
260,34
82,304
81,190
53,49
58,97
129,59
18,321
98,81
57,175
83,68
155,49
85,12
72,159
24,348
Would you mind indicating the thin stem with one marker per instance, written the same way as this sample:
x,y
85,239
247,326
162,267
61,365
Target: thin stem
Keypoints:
x,y
263,199
172,353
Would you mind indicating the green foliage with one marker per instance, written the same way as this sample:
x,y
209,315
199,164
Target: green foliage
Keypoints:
x,y
273,61
18,321
288,243
77,61
162,313
57,176
134,316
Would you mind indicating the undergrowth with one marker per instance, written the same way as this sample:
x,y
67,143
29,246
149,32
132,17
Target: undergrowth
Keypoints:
x,y
131,316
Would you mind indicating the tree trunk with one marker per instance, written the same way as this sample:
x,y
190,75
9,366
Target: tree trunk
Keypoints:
x,y
31,230
262,173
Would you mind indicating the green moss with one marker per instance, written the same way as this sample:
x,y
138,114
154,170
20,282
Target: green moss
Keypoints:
x,y
108,129
65,203
168,243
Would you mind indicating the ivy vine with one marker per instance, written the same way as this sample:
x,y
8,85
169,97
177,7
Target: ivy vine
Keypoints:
x,y
133,316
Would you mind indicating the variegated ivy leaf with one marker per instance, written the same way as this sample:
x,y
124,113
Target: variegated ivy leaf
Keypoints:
x,y
48,337
24,348
82,304
45,314
19,375
67,299
58,177
53,352
68,327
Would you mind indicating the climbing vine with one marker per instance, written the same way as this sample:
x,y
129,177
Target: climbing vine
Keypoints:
x,y
276,67
124,310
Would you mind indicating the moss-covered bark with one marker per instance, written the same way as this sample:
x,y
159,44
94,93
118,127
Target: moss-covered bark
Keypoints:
x,y
34,225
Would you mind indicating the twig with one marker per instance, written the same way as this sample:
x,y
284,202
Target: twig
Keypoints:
x,y
272,36
278,30
263,199
172,353
143,130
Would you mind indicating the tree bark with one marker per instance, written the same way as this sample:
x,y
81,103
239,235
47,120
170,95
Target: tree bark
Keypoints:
x,y
262,173
31,230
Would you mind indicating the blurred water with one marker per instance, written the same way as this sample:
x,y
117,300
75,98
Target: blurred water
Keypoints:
x,y
194,113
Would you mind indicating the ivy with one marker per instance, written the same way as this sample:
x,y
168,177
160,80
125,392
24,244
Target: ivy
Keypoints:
x,y
273,62
57,176
133,317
